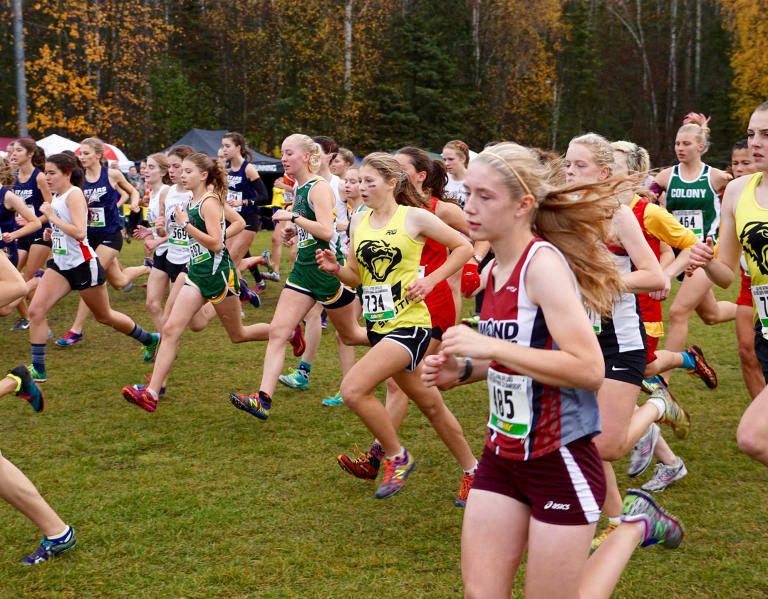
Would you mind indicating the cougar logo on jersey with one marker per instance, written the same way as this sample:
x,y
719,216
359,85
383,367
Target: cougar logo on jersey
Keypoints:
x,y
379,258
754,240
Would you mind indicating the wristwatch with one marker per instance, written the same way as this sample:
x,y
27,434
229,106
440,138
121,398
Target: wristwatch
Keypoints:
x,y
293,217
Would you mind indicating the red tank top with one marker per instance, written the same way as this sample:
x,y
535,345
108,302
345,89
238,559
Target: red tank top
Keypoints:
x,y
650,309
440,300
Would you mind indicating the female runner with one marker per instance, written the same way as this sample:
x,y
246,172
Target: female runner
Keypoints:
x,y
102,187
540,483
745,229
211,277
692,191
311,222
28,159
387,244
75,266
456,158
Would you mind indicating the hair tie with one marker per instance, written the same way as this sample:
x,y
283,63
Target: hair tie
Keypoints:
x,y
511,168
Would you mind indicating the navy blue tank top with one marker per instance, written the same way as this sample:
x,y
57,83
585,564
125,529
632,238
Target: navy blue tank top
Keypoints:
x,y
103,218
30,194
8,224
240,184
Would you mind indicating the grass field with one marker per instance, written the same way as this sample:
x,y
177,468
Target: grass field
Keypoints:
x,y
202,500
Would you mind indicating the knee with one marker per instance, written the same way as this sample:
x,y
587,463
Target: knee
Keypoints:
x,y
354,392
610,447
170,331
678,313
708,319
153,306
750,442
103,317
36,313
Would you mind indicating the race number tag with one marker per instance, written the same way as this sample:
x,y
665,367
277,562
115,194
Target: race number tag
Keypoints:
x,y
693,220
510,410
378,304
305,239
58,243
178,236
235,196
198,252
96,217
597,322
760,297
422,271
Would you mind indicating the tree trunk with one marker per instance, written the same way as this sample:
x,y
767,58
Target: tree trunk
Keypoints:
x,y
672,72
476,40
697,59
347,49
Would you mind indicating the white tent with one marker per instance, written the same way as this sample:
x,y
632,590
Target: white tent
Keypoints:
x,y
53,144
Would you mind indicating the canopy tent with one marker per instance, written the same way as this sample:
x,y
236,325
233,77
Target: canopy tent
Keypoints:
x,y
209,141
4,141
114,154
53,144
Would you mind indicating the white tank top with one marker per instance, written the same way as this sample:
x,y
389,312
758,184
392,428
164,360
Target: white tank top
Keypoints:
x,y
153,211
68,252
454,190
178,240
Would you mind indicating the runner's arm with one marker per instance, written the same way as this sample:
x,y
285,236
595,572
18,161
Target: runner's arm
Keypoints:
x,y
648,275
236,222
33,222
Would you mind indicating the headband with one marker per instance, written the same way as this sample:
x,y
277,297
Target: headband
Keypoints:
x,y
512,168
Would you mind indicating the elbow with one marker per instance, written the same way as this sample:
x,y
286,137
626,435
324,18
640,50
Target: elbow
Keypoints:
x,y
81,234
593,373
326,235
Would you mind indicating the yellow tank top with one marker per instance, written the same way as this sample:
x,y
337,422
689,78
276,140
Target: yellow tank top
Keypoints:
x,y
752,230
389,261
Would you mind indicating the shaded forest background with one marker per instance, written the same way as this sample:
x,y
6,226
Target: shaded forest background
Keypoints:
x,y
379,74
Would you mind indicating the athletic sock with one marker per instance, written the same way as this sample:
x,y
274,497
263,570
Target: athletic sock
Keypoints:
x,y
18,382
304,368
659,404
397,456
60,538
616,520
38,356
688,361
142,336
472,470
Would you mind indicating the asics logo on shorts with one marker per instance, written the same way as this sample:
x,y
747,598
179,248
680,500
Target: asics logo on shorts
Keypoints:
x,y
551,505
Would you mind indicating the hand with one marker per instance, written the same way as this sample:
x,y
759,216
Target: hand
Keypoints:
x,y
662,294
20,220
144,201
440,370
142,232
470,279
46,208
287,232
326,261
701,255
160,222
463,341
7,237
419,289
152,243
135,207
234,203
181,215
46,234
282,215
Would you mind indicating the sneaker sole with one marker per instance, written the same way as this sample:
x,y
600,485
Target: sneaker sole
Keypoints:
x,y
656,433
128,396
235,401
703,370
650,499
682,473
349,471
291,385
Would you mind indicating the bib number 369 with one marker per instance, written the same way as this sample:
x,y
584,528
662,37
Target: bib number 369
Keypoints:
x,y
510,411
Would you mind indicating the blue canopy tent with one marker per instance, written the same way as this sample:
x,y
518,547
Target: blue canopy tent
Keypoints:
x,y
209,142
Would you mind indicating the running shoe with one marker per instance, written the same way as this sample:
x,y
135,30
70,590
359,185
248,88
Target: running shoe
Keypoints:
x,y
49,549
252,404
649,385
472,321
267,255
395,474
674,414
150,351
29,390
294,380
141,396
249,295
466,485
297,341
642,453
148,263
659,527
323,320
160,395
665,476
260,287
70,338
38,377
598,540
128,287
271,276
336,400
702,370
21,324
363,465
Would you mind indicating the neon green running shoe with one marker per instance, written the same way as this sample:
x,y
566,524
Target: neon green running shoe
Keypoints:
x,y
294,380
151,350
659,527
674,415
38,377
336,400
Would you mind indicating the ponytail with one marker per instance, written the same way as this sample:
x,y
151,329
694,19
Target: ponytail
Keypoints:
x,y
698,124
6,174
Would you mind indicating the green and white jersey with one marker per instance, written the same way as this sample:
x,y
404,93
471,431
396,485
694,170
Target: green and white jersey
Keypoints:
x,y
203,262
308,245
695,204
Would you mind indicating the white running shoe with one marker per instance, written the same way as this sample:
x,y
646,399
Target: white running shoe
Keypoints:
x,y
665,475
642,453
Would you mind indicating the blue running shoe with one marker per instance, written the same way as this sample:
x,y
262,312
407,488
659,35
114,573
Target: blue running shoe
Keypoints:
x,y
150,351
255,404
70,338
49,549
294,380
28,389
336,400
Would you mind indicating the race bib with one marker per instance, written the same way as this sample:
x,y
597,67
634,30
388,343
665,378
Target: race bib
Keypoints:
x,y
422,271
693,220
510,410
305,239
96,217
58,242
236,196
198,252
597,322
760,297
178,236
378,304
